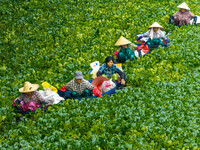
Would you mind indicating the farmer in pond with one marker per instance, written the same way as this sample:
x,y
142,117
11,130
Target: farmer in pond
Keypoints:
x,y
183,16
30,98
80,87
110,70
155,35
125,50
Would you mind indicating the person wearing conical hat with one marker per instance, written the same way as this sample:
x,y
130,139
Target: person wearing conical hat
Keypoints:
x,y
183,16
125,50
30,98
155,35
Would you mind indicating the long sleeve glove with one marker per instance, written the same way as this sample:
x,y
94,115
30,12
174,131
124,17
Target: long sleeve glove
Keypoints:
x,y
96,92
166,41
139,37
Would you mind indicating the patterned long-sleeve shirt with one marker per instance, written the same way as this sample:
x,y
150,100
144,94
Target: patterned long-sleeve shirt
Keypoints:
x,y
36,98
79,88
181,18
109,71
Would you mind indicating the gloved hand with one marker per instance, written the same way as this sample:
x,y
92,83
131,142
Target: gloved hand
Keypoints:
x,y
17,102
96,92
139,37
166,40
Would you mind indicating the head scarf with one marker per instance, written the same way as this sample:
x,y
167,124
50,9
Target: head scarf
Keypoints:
x,y
151,33
109,58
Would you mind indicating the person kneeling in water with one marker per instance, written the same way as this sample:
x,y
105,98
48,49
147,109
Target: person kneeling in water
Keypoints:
x,y
80,87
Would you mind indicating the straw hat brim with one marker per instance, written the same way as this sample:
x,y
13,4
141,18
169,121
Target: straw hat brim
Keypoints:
x,y
32,88
122,41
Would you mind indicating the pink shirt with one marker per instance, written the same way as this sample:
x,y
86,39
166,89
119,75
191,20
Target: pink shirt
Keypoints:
x,y
183,18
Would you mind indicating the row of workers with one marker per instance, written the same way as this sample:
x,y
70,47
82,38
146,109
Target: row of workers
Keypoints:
x,y
126,49
30,98
154,36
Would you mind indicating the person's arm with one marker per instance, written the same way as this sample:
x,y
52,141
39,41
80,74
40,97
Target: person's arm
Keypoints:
x,y
192,15
99,73
121,74
94,89
132,46
175,15
17,102
101,69
89,86
119,48
146,34
21,97
39,97
162,36
69,85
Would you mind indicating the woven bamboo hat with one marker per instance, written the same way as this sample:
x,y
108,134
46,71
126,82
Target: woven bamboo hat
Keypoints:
x,y
183,6
28,87
122,41
156,25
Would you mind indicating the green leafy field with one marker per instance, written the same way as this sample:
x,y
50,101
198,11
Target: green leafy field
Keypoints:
x,y
50,40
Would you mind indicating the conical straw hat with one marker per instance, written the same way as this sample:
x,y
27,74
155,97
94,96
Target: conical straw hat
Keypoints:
x,y
183,6
156,25
122,41
28,87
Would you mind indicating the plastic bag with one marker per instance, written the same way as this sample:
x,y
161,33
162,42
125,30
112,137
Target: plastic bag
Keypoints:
x,y
47,91
95,68
52,98
107,86
47,85
96,92
50,94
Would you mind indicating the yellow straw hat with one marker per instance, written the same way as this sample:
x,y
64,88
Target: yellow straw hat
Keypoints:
x,y
28,87
122,41
183,6
156,25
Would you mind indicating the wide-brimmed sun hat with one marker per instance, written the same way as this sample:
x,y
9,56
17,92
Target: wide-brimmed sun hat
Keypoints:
x,y
122,41
183,6
28,87
156,25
